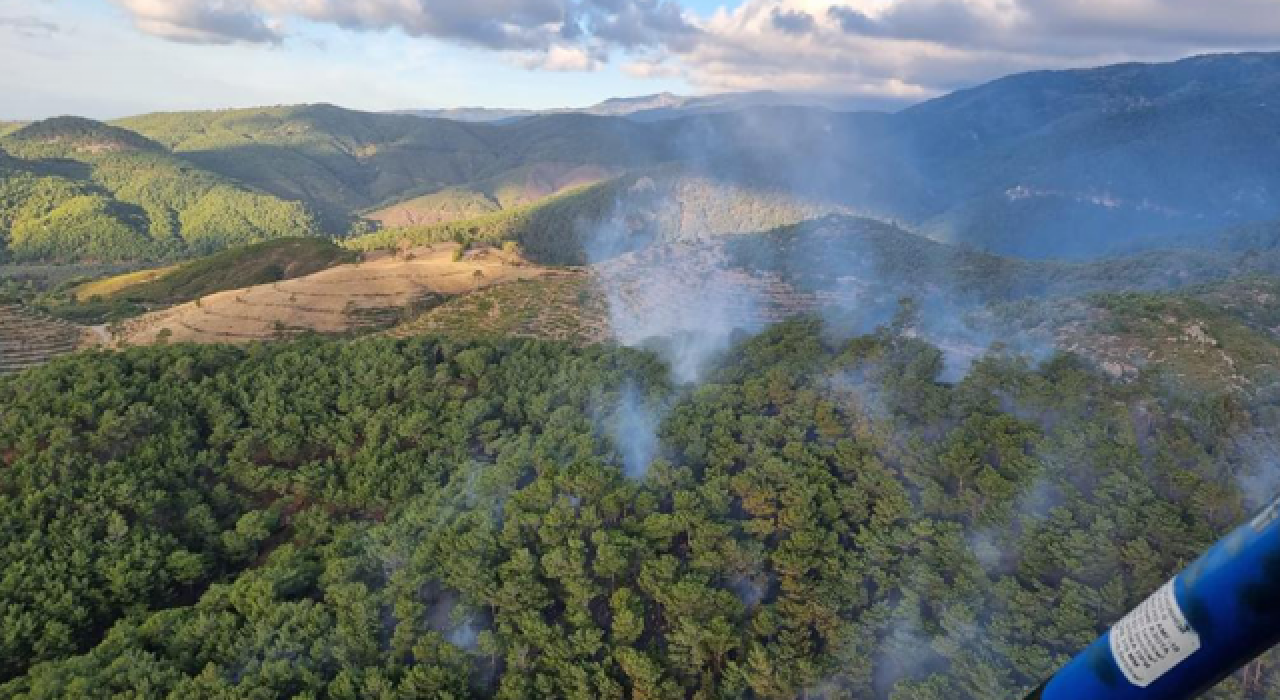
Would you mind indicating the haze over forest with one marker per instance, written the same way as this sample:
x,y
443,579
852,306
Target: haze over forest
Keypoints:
x,y
899,380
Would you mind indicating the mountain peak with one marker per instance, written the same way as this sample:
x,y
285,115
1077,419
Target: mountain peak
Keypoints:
x,y
78,136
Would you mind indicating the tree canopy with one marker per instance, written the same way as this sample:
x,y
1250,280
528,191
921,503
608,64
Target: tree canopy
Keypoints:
x,y
444,518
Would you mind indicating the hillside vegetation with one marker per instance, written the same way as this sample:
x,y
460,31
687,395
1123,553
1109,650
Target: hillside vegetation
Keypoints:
x,y
29,339
349,298
260,263
73,189
519,187
566,307
439,518
111,287
1210,337
1041,165
341,162
546,230
601,221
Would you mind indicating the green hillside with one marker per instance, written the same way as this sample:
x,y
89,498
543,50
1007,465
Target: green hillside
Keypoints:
x,y
1079,164
602,220
515,188
546,230
449,204
77,190
341,161
115,298
244,266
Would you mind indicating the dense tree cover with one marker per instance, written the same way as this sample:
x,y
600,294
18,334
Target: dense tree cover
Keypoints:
x,y
80,190
598,221
341,161
550,231
41,217
439,518
514,188
152,470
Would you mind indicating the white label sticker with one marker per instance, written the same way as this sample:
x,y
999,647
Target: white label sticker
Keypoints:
x,y
1267,516
1153,639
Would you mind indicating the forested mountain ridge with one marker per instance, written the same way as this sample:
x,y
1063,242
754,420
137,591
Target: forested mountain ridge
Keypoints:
x,y
1069,163
341,161
653,205
1043,162
665,106
74,189
523,186
66,138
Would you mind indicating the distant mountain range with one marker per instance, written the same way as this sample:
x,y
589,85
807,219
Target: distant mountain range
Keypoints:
x,y
1080,164
668,106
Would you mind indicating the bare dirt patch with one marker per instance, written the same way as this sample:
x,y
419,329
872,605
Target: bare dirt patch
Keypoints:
x,y
367,295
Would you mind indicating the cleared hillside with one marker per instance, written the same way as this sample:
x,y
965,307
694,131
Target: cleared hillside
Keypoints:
x,y
355,297
854,272
567,306
118,285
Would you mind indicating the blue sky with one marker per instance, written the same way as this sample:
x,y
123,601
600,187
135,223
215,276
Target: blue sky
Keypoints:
x,y
107,58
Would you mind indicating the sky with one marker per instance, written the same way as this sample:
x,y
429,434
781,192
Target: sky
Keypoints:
x,y
110,58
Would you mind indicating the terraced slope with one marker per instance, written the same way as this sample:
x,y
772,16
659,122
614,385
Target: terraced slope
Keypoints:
x,y
28,339
565,306
664,289
364,296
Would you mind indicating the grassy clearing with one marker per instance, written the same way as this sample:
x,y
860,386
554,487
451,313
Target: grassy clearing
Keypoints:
x,y
246,266
114,286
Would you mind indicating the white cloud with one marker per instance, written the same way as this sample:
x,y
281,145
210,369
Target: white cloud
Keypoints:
x,y
563,33
917,48
201,21
905,49
562,59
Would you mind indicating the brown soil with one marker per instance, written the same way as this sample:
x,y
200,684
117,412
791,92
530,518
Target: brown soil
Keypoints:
x,y
368,295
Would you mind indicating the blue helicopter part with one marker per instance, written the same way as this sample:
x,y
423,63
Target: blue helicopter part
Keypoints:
x,y
1219,614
